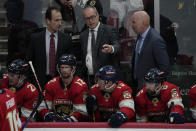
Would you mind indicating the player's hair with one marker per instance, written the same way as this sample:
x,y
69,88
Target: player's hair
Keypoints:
x,y
49,12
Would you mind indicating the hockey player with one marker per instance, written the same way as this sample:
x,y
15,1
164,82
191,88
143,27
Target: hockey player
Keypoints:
x,y
9,116
159,101
65,94
16,81
111,100
192,98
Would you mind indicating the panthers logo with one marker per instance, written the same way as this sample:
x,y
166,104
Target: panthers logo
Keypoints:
x,y
63,106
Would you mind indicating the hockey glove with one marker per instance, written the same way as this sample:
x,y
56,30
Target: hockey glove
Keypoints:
x,y
175,118
117,119
91,104
49,117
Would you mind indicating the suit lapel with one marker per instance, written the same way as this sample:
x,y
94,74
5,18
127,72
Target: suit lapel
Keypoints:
x,y
99,37
58,45
86,40
43,44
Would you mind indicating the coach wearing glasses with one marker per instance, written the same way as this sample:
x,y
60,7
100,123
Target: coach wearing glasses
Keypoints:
x,y
100,44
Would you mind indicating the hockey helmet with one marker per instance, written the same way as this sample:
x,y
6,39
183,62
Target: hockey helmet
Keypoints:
x,y
154,75
67,59
108,73
18,66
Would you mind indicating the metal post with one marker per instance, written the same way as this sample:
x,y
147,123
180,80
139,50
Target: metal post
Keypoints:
x,y
157,15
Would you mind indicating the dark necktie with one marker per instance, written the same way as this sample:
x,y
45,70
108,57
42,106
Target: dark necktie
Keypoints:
x,y
93,49
52,56
137,53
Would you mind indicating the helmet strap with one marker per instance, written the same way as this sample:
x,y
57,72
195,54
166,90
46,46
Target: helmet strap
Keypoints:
x,y
20,81
109,89
73,70
157,89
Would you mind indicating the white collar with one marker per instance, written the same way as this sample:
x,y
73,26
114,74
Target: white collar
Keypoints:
x,y
96,28
145,33
48,33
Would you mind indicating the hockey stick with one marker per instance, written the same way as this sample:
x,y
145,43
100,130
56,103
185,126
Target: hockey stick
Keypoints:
x,y
34,110
40,89
41,97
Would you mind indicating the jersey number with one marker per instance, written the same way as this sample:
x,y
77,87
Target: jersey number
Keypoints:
x,y
14,120
80,82
31,87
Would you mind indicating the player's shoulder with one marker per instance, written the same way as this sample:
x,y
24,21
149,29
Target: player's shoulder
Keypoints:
x,y
168,87
5,78
193,89
141,93
6,91
78,82
170,91
140,98
78,86
95,88
30,89
28,84
4,82
6,94
122,86
53,81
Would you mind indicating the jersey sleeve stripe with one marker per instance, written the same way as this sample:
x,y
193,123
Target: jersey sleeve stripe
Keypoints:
x,y
127,103
25,112
43,106
80,108
177,101
193,110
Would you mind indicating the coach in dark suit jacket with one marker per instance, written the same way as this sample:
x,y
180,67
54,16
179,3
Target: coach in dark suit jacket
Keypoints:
x,y
150,51
40,49
100,43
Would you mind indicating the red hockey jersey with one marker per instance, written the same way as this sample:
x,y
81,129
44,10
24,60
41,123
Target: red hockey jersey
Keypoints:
x,y
119,100
156,109
9,116
192,98
26,97
67,100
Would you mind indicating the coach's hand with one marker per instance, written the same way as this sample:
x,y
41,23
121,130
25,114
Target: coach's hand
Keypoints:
x,y
107,49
